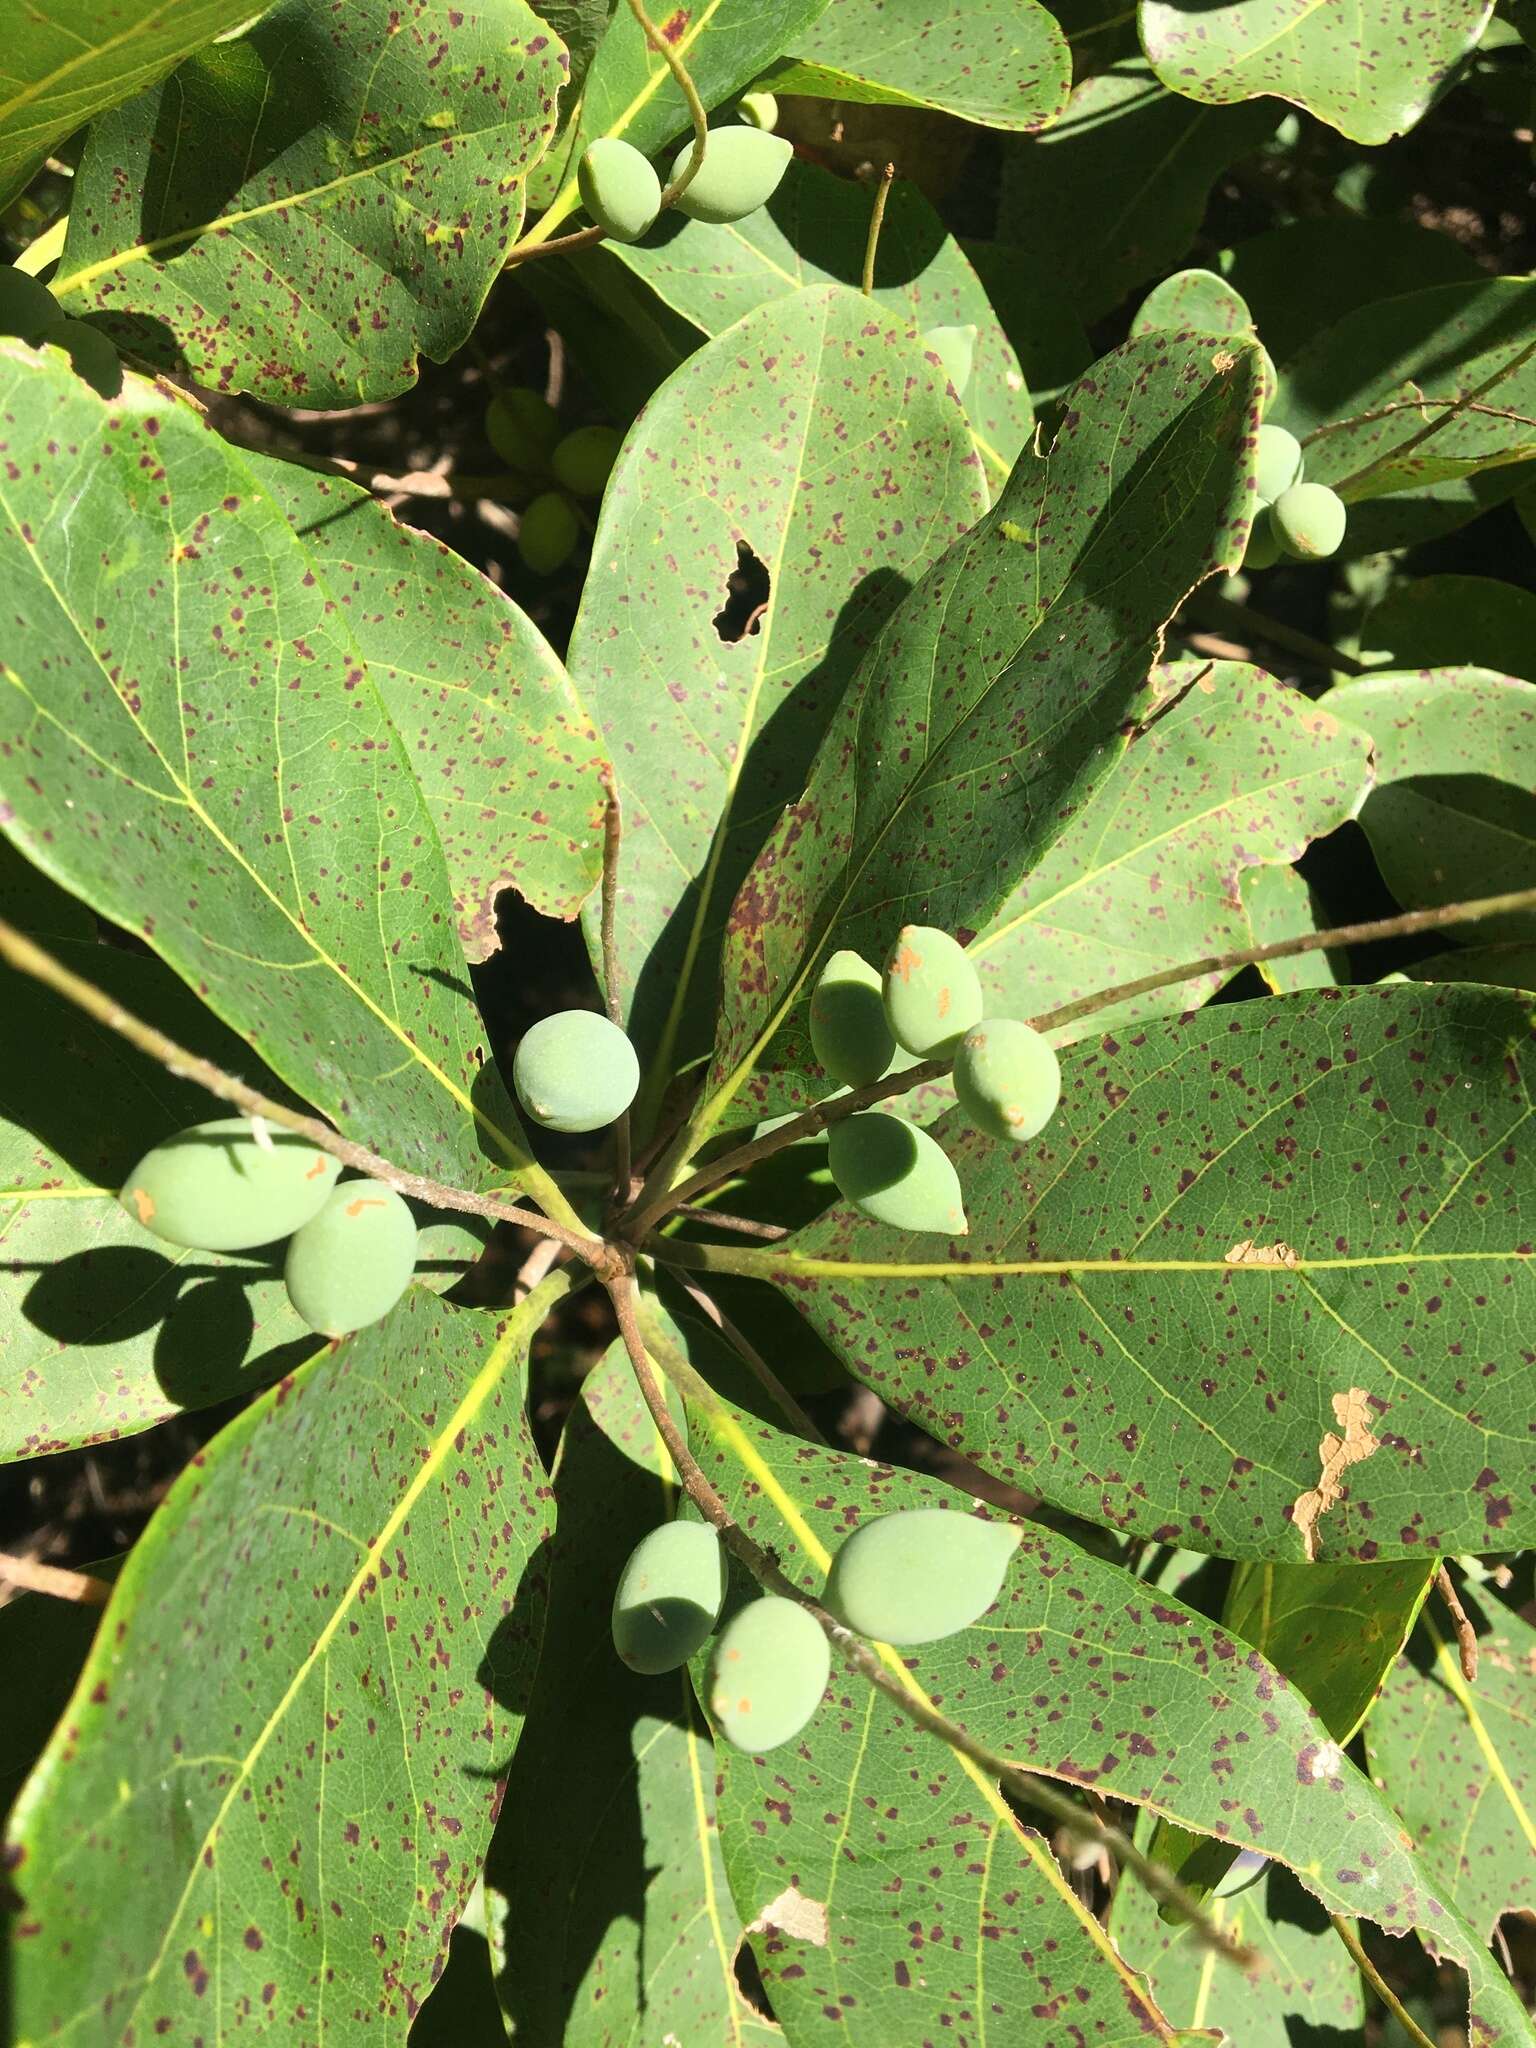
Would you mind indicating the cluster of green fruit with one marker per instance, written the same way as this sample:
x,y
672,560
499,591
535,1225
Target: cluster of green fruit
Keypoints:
x,y
575,1071
1295,518
911,1577
30,312
234,1184
740,172
524,429
929,1004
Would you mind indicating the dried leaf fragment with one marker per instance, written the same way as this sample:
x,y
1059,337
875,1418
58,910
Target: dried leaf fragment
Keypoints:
x,y
1337,1454
792,1913
1251,1253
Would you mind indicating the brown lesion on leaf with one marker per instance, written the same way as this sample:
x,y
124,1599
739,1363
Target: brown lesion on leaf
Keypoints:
x,y
675,27
1336,1454
794,1914
1251,1253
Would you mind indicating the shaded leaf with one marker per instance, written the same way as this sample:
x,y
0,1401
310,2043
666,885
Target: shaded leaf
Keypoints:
x,y
505,753
1041,327
1278,905
1512,965
1194,301
581,26
1363,70
1454,622
322,1646
1458,1761
189,739
814,438
303,212
1453,814
1000,63
812,232
1115,192
611,1917
1237,1223
983,713
65,65
49,1640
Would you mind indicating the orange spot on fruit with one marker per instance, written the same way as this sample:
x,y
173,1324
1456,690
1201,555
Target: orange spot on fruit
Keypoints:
x,y
364,1202
318,1168
143,1203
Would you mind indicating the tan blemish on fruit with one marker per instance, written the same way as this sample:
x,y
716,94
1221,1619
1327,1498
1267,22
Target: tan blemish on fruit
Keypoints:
x,y
944,1002
364,1202
144,1203
318,1168
905,961
1337,1454
1250,1253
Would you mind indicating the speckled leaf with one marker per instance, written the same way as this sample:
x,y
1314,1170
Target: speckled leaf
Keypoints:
x,y
1193,302
1244,1232
1000,63
631,93
984,711
189,740
1453,622
1307,1991
1370,384
1114,193
813,435
270,1794
303,212
1367,70
505,753
1453,814
1458,1761
1277,904
1077,1670
66,62
813,231
103,1328
610,1913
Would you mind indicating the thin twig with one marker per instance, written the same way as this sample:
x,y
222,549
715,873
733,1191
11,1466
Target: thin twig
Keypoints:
x,y
744,1226
1363,419
1391,456
1225,611
580,238
696,110
1466,1634
613,840
648,1212
1345,1930
27,957
34,1577
860,1657
752,1359
876,218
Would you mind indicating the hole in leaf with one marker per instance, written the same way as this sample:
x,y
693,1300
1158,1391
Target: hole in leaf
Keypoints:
x,y
746,597
749,1980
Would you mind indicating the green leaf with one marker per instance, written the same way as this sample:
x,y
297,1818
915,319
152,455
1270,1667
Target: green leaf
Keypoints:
x,y
999,63
189,740
985,710
1078,1671
1042,329
631,93
68,64
812,232
1369,385
1458,1761
1241,1230
1277,904
1308,1989
1363,70
505,753
1194,301
1453,813
1512,965
814,436
1454,622
581,26
1116,191
303,212
322,1646
610,1911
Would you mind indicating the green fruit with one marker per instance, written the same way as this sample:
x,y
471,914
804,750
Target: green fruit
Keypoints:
x,y
740,172
1008,1079
895,1173
955,348
768,1673
759,110
618,188
1309,521
669,1596
1263,549
91,355
849,1032
932,994
523,427
215,1188
27,309
1277,462
583,460
575,1071
348,1266
919,1574
547,533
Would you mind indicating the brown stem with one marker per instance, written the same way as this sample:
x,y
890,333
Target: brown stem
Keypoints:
x,y
34,1577
860,1657
1226,611
1466,1634
1455,408
1419,405
876,218
27,957
1345,1930
613,840
744,1226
